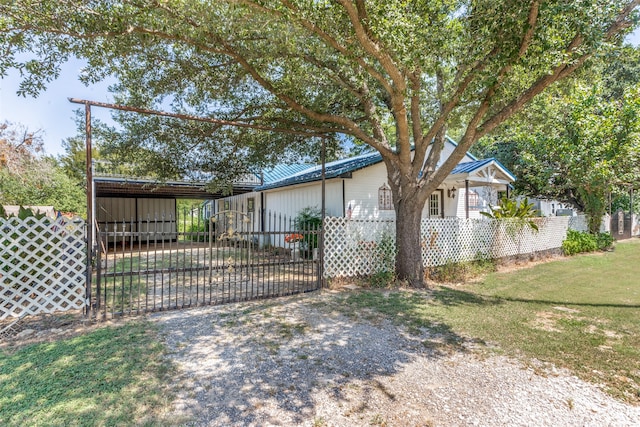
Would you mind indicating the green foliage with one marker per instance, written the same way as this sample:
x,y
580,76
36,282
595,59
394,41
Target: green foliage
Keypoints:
x,y
581,140
520,211
190,222
604,241
581,241
28,178
308,222
384,252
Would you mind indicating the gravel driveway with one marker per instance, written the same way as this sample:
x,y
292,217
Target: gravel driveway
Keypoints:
x,y
300,361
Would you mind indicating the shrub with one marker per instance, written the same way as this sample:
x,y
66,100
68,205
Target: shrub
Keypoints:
x,y
581,241
308,222
461,271
605,241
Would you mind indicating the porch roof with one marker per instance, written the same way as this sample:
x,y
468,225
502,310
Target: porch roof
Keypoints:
x,y
483,172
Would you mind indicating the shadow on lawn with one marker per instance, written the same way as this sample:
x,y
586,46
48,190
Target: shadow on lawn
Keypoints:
x,y
237,362
91,379
573,303
454,297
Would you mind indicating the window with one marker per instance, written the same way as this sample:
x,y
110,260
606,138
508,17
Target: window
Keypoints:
x,y
474,201
251,205
434,204
227,205
385,201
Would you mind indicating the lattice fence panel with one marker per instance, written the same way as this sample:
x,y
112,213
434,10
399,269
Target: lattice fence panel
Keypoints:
x,y
364,247
358,247
578,223
42,266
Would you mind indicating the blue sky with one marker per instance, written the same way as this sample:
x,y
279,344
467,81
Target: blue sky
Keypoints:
x,y
54,114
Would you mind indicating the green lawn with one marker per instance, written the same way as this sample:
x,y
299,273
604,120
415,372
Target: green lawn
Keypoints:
x,y
111,376
580,313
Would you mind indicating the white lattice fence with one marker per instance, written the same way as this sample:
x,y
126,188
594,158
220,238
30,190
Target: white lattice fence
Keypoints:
x,y
578,223
42,266
363,247
358,247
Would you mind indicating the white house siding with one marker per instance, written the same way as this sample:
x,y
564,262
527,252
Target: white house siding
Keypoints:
x,y
290,200
361,193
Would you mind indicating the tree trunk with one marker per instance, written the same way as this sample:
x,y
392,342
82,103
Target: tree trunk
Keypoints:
x,y
594,207
409,266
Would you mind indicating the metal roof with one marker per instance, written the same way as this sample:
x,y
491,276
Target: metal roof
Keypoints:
x,y
470,167
145,188
279,172
346,166
332,170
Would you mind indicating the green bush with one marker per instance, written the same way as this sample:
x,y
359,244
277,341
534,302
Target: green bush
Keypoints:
x,y
308,223
461,271
605,241
582,241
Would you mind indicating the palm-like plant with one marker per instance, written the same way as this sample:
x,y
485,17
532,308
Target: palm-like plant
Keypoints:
x,y
523,211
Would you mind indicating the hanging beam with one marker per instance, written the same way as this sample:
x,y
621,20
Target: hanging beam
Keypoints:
x,y
312,132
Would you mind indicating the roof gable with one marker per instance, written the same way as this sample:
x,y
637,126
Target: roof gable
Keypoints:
x,y
476,168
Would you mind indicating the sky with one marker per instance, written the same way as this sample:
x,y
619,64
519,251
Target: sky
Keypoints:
x,y
53,114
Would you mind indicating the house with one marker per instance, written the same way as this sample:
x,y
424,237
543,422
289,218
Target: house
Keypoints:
x,y
551,207
358,188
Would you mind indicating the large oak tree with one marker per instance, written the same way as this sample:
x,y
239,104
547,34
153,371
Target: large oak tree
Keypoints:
x,y
392,74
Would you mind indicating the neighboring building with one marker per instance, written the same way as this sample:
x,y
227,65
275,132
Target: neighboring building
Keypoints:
x,y
550,207
357,188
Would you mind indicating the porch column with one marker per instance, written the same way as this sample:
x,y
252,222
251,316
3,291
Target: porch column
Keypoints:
x,y
507,190
466,198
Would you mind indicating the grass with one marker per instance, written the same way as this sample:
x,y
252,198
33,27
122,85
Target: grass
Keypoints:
x,y
580,313
111,376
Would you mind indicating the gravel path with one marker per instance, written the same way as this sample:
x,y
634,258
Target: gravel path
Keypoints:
x,y
296,361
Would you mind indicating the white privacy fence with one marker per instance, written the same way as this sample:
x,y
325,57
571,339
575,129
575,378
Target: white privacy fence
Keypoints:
x,y
42,266
364,247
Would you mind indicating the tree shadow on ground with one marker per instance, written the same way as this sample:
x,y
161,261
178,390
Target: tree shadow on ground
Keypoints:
x,y
453,297
571,303
241,359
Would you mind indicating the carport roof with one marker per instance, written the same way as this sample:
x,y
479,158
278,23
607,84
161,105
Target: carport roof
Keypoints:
x,y
146,188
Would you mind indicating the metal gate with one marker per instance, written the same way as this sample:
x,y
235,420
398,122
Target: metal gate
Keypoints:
x,y
145,266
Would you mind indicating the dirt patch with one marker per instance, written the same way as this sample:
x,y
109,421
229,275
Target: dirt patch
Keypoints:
x,y
546,321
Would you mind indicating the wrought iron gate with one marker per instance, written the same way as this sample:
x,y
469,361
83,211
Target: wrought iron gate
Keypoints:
x,y
162,263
